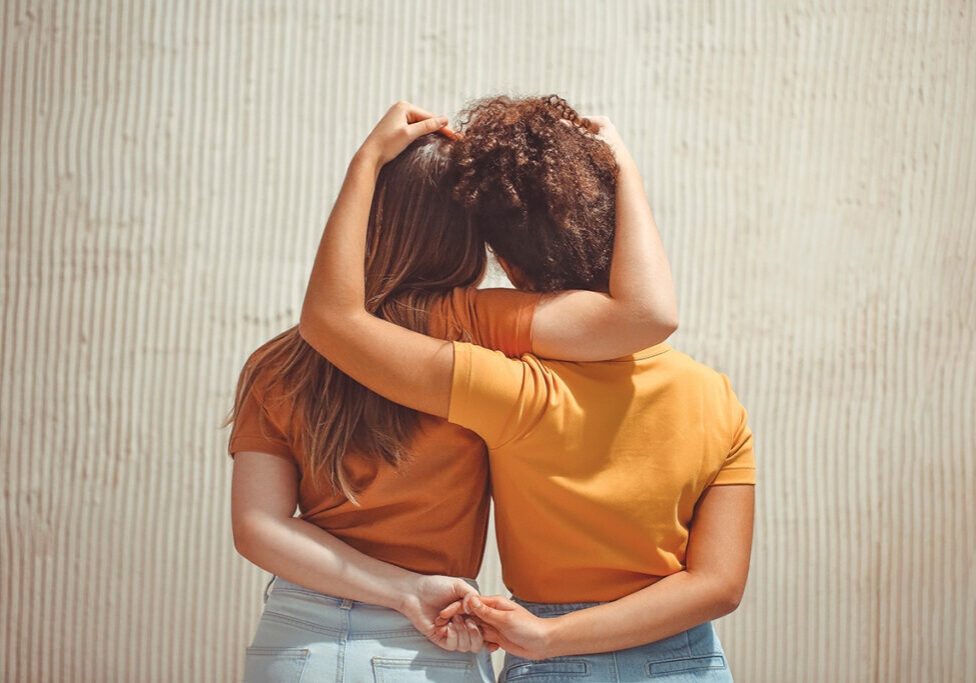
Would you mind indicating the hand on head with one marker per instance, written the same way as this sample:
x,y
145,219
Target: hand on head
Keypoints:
x,y
402,124
602,128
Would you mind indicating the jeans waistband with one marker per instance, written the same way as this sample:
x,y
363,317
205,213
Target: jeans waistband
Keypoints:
x,y
278,583
545,608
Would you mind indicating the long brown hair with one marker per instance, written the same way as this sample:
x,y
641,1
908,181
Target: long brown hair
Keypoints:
x,y
419,245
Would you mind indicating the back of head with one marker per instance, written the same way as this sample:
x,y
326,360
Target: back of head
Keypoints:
x,y
418,240
419,245
540,189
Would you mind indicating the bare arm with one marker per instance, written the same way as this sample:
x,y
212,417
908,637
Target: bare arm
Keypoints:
x,y
334,317
263,500
711,586
641,308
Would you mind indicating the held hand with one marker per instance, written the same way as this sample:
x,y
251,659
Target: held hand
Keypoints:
x,y
508,624
422,604
400,126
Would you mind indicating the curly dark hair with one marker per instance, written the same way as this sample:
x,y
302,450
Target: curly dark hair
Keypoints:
x,y
540,192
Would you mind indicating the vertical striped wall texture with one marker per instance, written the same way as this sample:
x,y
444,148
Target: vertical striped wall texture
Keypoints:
x,y
167,166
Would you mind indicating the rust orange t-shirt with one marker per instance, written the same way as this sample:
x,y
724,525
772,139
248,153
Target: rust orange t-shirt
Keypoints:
x,y
429,515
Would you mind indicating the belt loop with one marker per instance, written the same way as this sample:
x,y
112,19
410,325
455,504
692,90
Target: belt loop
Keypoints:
x,y
267,589
346,604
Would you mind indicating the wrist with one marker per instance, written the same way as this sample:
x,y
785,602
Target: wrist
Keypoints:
x,y
405,593
626,163
552,637
366,159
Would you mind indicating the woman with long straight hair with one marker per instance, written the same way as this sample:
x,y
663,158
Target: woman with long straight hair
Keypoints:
x,y
393,502
623,488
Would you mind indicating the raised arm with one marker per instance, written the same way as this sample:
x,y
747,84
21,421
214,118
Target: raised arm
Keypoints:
x,y
641,308
406,367
711,586
263,500
639,311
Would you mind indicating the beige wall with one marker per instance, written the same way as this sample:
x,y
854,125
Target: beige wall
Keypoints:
x,y
166,168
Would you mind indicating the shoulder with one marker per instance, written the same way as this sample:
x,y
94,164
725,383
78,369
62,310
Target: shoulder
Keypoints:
x,y
486,358
711,391
498,318
467,300
262,374
710,381
444,312
685,364
483,371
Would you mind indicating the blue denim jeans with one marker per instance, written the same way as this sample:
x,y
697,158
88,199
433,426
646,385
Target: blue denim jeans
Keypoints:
x,y
311,637
693,655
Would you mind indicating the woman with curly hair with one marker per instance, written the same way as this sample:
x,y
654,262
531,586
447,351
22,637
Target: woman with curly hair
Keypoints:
x,y
623,488
394,502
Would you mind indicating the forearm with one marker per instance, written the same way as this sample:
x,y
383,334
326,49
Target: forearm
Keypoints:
x,y
640,276
303,553
334,315
672,605
336,287
335,322
638,311
717,561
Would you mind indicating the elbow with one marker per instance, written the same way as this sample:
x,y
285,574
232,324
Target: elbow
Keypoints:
x,y
312,317
656,312
317,327
720,592
305,324
670,324
660,324
241,540
245,533
728,597
668,316
321,323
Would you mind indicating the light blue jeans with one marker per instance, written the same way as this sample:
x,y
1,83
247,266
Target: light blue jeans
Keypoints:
x,y
693,655
311,637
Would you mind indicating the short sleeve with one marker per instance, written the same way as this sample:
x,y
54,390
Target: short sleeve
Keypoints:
x,y
254,430
498,398
498,319
740,463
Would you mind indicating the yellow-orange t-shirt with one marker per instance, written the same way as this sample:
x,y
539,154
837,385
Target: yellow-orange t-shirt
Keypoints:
x,y
596,467
429,515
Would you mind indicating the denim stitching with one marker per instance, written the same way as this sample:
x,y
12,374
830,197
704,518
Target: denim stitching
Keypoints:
x,y
528,664
399,633
714,655
312,594
343,640
296,653
277,616
701,667
407,663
